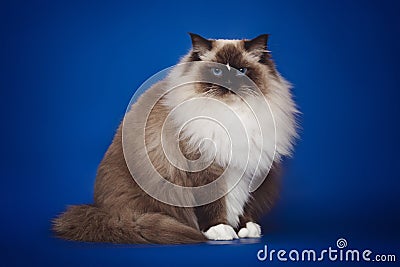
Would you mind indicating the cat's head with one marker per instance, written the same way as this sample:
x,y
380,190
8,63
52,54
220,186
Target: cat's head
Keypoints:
x,y
231,66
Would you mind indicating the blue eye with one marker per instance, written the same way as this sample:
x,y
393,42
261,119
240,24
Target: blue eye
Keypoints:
x,y
216,71
241,71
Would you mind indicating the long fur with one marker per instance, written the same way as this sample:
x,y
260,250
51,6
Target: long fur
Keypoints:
x,y
124,213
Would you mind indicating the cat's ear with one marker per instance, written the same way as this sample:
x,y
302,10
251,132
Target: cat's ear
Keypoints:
x,y
258,45
200,44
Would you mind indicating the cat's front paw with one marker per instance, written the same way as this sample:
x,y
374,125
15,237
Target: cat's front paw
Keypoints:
x,y
221,232
251,230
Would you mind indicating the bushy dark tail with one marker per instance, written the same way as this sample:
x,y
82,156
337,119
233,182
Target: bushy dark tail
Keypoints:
x,y
93,224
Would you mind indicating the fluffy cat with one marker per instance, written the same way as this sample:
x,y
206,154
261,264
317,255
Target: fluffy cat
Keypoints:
x,y
123,210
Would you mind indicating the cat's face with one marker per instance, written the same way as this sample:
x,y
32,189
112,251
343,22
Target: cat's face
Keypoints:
x,y
234,68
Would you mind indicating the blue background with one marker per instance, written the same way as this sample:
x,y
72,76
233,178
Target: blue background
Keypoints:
x,y
69,69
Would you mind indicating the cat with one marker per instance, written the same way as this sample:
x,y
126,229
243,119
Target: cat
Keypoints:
x,y
132,206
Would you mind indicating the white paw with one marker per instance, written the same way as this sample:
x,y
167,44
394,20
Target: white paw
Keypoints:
x,y
221,232
251,230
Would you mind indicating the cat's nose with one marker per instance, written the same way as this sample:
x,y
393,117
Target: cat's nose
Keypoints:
x,y
228,84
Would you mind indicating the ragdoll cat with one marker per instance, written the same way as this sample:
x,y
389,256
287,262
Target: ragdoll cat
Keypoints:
x,y
124,212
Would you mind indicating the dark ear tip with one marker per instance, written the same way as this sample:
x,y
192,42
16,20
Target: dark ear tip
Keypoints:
x,y
264,36
260,38
194,35
199,42
257,43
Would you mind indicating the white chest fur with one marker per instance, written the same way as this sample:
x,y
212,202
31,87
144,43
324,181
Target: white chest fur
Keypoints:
x,y
240,137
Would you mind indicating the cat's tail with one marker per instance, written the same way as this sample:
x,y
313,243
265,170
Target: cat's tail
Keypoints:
x,y
93,224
